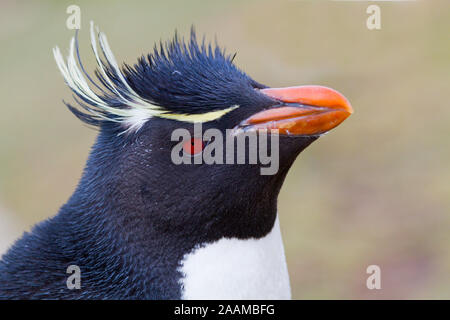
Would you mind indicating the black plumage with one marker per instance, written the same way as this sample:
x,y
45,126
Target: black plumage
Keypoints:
x,y
134,213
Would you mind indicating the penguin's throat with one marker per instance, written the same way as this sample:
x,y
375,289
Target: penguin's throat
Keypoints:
x,y
232,268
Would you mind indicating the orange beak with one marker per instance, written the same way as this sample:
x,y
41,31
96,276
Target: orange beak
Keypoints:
x,y
304,110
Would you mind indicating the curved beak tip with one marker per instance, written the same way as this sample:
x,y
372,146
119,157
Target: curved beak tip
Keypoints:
x,y
305,110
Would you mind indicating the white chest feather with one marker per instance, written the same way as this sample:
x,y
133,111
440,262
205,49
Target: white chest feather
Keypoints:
x,y
237,269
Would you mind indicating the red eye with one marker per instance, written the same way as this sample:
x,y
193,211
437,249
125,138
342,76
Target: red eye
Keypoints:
x,y
193,146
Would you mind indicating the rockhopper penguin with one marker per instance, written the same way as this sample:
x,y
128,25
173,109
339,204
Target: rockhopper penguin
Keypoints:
x,y
138,225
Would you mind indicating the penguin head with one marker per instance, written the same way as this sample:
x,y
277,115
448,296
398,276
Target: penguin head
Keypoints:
x,y
159,118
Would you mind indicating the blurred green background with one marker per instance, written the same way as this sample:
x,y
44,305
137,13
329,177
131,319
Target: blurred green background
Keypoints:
x,y
376,190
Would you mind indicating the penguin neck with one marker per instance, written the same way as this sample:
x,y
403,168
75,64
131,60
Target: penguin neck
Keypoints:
x,y
231,268
137,238
121,213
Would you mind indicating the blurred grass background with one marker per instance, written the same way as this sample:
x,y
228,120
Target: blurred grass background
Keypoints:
x,y
374,191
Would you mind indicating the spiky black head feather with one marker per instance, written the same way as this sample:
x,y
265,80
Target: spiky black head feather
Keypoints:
x,y
178,78
189,78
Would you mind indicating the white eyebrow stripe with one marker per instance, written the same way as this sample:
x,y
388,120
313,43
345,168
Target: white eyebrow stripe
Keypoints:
x,y
70,82
135,100
78,78
138,110
198,117
112,61
99,61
